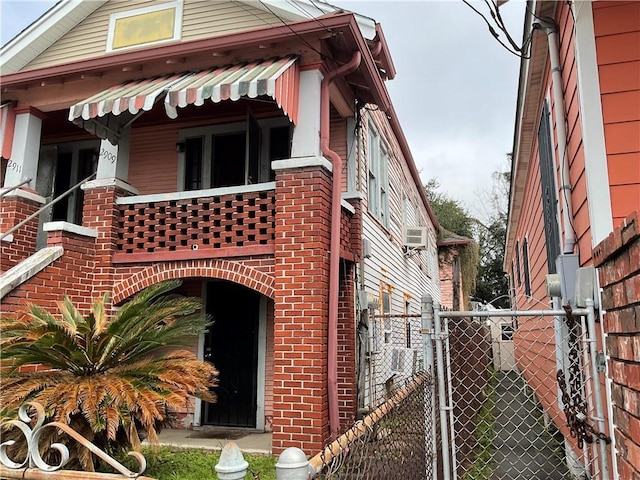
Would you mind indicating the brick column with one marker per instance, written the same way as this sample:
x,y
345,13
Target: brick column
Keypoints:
x,y
300,407
14,208
100,213
618,261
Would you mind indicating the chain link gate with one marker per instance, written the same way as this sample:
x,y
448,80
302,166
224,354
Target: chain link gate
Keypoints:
x,y
519,395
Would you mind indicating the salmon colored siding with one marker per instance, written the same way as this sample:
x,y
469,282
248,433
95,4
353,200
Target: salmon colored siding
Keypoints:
x,y
534,340
617,31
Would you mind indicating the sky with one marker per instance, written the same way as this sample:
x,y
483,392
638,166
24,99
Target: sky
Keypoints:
x,y
454,92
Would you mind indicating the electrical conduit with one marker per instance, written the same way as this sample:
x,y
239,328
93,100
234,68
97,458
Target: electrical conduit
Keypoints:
x,y
334,258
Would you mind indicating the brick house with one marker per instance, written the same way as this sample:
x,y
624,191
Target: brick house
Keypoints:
x,y
575,188
248,149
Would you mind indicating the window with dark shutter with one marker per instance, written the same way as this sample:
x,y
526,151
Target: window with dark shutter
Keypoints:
x,y
547,185
518,263
525,267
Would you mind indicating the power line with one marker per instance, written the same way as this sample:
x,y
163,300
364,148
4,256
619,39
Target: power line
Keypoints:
x,y
302,39
514,49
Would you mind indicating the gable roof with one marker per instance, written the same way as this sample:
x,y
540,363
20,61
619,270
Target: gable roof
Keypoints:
x,y
66,14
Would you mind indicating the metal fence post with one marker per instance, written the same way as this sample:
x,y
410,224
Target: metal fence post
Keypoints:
x,y
452,428
231,465
428,362
597,392
444,431
293,465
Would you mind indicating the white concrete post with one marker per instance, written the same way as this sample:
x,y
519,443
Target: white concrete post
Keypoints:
x,y
292,465
23,163
231,465
113,160
306,134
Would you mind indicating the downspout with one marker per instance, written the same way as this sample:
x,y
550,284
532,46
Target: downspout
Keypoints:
x,y
551,29
334,258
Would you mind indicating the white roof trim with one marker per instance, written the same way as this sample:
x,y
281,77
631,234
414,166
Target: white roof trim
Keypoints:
x,y
44,32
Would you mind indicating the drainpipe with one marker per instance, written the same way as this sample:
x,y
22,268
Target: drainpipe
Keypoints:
x,y
551,29
334,258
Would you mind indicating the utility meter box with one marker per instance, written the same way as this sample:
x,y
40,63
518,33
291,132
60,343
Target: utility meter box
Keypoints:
x,y
567,266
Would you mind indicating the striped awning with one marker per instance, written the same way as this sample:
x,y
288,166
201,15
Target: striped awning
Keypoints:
x,y
275,78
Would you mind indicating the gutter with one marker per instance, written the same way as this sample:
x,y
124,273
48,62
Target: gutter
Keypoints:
x,y
550,28
334,259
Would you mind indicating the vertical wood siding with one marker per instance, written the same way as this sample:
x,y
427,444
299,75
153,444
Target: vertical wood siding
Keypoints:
x,y
617,31
201,18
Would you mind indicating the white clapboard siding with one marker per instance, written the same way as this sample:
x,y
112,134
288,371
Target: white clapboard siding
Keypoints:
x,y
201,18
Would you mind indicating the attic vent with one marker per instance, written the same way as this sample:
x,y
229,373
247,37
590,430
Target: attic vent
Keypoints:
x,y
415,237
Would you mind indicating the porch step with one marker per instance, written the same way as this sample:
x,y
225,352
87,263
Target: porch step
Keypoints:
x,y
23,271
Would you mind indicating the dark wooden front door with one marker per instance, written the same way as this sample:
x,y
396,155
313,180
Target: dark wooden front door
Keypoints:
x,y
231,344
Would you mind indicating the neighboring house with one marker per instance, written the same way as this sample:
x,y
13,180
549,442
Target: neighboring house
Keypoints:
x,y
451,281
576,178
250,149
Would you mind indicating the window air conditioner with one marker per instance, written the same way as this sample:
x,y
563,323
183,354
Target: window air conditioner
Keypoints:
x,y
399,361
416,237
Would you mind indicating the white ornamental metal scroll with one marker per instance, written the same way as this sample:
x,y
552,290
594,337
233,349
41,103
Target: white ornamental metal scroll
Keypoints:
x,y
32,436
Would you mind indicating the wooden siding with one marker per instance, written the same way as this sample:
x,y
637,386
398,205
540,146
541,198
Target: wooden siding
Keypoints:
x,y
617,31
534,340
417,274
201,18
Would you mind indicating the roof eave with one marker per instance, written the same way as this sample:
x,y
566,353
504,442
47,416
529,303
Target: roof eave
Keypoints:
x,y
32,41
527,112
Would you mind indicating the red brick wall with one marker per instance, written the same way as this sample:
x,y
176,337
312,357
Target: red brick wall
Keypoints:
x,y
347,347
618,261
13,210
70,275
300,416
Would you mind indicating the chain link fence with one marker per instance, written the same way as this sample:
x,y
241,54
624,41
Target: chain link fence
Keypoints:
x,y
394,441
511,417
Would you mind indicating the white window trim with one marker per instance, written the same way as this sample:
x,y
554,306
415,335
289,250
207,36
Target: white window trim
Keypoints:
x,y
380,173
221,129
177,25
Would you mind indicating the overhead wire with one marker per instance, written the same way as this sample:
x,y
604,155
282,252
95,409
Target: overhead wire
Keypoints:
x,y
514,49
286,24
302,10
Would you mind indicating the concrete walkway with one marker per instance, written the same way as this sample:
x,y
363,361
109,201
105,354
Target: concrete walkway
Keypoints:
x,y
524,448
259,443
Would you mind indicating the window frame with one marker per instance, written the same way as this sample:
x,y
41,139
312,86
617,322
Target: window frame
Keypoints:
x,y
377,176
207,132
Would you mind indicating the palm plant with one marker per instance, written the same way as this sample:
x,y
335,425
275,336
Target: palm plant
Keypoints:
x,y
111,379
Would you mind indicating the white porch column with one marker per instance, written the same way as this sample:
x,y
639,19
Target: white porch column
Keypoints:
x,y
306,134
113,161
25,151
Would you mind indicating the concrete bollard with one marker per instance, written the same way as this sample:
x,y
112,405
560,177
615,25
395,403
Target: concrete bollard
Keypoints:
x,y
232,465
292,465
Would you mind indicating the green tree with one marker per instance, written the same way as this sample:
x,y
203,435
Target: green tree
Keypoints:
x,y
492,284
110,379
453,217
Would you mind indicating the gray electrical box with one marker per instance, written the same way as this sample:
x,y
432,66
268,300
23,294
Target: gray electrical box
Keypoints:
x,y
567,265
586,287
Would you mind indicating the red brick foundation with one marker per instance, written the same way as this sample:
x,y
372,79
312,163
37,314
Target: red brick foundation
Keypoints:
x,y
618,261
